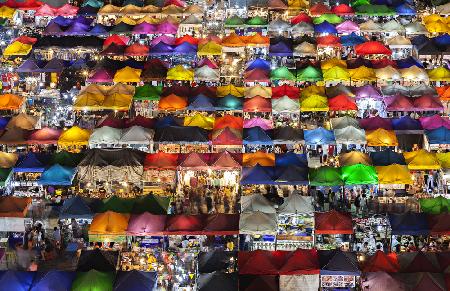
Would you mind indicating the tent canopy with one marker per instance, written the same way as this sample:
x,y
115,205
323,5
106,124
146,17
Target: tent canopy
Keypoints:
x,y
333,222
409,224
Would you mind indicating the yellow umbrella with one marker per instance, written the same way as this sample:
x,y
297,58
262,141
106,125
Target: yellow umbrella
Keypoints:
x,y
230,90
88,101
336,74
180,73
126,20
199,120
8,160
128,75
444,159
328,64
353,158
381,138
75,136
421,160
439,74
362,73
7,12
17,49
394,174
438,26
314,103
313,90
210,48
117,101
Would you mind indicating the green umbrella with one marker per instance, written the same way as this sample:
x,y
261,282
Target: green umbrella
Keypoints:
x,y
117,204
374,10
234,21
147,92
359,174
310,74
360,2
67,159
256,21
282,73
435,205
5,174
92,3
151,203
325,176
330,18
93,281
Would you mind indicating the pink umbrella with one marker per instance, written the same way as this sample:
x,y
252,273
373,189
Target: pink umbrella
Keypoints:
x,y
163,38
144,28
167,27
347,26
146,224
435,121
265,124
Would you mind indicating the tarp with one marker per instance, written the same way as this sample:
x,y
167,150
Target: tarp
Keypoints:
x,y
31,162
406,123
379,281
74,136
394,174
337,262
57,175
296,204
439,225
146,224
373,123
260,262
256,202
350,135
257,175
435,205
8,160
14,206
93,280
10,102
53,280
136,281
109,223
359,174
256,135
382,262
409,224
22,121
319,136
16,280
215,260
258,282
421,160
325,176
381,137
354,157
333,222
45,135
439,135
75,207
434,121
342,103
218,281
257,223
103,261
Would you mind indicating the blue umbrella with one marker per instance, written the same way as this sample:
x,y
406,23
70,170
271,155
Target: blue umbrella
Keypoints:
x,y
325,27
352,39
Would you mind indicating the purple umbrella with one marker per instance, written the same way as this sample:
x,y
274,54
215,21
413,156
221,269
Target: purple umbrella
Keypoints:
x,y
185,49
98,29
29,66
62,21
376,122
146,224
280,49
144,28
53,29
77,28
161,49
163,38
167,27
367,91
53,66
101,75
